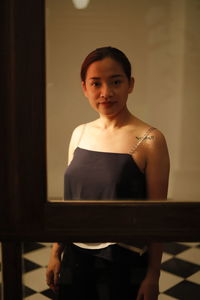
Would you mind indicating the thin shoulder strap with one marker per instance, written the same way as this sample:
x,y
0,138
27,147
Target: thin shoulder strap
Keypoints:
x,y
132,151
81,135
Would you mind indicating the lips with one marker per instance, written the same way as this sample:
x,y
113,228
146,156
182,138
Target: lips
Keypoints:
x,y
107,102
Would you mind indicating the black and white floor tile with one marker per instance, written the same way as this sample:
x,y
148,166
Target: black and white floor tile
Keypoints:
x,y
180,272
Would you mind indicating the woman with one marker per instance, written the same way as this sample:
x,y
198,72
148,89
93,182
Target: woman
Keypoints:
x,y
116,156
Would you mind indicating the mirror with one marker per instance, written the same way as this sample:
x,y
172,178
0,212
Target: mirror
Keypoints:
x,y
162,42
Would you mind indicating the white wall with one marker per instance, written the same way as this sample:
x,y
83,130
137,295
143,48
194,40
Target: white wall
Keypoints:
x,y
161,39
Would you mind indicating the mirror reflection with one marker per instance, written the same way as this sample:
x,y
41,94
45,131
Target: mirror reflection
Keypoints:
x,y
162,44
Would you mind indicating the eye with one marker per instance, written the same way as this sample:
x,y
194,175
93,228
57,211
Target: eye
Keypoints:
x,y
95,83
116,82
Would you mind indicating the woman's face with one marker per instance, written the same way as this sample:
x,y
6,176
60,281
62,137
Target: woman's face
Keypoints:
x,y
107,86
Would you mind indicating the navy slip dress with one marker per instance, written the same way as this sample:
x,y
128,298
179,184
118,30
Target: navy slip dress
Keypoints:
x,y
94,175
113,272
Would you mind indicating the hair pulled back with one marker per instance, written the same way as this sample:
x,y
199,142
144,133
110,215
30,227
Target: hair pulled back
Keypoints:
x,y
103,52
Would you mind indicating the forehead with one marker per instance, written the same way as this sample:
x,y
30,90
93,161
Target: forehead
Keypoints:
x,y
106,67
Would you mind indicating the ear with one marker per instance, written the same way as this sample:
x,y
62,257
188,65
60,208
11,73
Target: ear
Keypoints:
x,y
131,85
84,88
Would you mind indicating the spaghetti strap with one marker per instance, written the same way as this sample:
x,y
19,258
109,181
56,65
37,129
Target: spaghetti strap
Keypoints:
x,y
132,151
81,135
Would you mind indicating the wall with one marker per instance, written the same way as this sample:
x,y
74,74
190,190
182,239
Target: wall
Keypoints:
x,y
161,39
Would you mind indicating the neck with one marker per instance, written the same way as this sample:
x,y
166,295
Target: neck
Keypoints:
x,y
117,121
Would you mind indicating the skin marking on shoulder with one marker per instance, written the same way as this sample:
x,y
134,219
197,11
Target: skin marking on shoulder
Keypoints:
x,y
146,138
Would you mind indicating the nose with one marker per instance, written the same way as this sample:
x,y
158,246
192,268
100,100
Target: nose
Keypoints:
x,y
106,92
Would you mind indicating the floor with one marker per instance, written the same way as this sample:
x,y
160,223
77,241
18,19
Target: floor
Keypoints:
x,y
180,272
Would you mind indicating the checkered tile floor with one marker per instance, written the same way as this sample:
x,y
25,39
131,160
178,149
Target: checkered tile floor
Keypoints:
x,y
180,274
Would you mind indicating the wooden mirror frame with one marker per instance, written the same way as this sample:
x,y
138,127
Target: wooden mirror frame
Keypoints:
x,y
25,214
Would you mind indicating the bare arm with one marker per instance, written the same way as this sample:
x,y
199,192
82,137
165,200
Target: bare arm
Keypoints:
x,y
157,175
53,269
157,167
76,135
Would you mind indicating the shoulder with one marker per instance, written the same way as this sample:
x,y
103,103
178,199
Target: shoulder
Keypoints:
x,y
77,131
76,135
157,165
75,138
80,130
155,139
156,149
152,141
148,132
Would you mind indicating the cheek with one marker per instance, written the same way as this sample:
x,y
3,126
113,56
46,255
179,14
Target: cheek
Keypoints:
x,y
91,101
92,95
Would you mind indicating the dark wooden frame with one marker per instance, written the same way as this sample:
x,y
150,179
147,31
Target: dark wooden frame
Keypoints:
x,y
24,212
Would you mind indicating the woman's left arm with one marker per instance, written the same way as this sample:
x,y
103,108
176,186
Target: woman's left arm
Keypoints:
x,y
157,176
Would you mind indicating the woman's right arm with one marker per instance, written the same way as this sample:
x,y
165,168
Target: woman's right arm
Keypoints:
x,y
74,142
54,265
